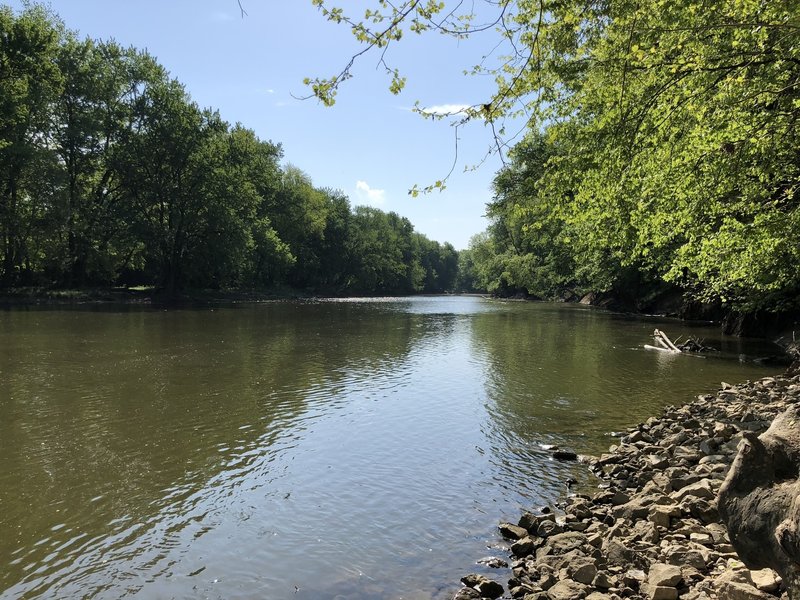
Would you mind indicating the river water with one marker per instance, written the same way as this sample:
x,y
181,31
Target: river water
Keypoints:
x,y
350,449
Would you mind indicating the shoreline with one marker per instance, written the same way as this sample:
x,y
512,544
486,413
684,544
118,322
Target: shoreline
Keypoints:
x,y
651,530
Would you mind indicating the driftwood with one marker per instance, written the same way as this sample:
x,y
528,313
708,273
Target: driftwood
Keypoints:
x,y
760,500
663,343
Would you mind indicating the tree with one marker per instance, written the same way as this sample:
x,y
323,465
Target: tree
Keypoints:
x,y
29,82
671,126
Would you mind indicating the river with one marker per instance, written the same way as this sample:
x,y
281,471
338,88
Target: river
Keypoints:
x,y
352,449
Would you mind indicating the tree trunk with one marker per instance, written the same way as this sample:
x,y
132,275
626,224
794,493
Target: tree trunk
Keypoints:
x,y
760,500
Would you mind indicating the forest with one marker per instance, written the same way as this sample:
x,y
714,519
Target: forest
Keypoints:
x,y
110,175
660,159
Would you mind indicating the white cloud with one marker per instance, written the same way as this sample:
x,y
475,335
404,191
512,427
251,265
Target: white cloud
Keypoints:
x,y
368,195
446,110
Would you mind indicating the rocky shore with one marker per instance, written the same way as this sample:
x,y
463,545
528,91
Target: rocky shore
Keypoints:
x,y
652,531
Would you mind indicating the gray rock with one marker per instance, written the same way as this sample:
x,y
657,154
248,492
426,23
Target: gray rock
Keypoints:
x,y
662,593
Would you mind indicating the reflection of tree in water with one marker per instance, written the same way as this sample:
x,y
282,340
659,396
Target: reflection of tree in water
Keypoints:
x,y
113,418
567,375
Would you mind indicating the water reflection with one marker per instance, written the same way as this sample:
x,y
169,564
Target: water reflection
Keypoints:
x,y
299,450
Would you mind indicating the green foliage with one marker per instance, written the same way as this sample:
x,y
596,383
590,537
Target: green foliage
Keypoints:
x,y
110,174
663,144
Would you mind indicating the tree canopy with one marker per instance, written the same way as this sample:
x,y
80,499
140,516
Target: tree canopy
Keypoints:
x,y
110,174
662,145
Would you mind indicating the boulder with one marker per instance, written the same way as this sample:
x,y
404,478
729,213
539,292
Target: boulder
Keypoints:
x,y
661,574
566,589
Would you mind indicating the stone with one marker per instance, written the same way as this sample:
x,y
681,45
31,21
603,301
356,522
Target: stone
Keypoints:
x,y
661,574
523,547
734,590
493,562
584,571
701,489
637,508
565,542
566,589
512,532
487,587
467,593
662,593
765,580
564,455
603,580
548,528
530,522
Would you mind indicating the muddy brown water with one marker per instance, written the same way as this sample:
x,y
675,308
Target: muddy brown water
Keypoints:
x,y
351,449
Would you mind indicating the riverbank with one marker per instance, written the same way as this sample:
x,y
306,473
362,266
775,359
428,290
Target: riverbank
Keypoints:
x,y
652,529
32,296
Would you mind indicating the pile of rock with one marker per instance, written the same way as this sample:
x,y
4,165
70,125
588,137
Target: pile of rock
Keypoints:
x,y
653,530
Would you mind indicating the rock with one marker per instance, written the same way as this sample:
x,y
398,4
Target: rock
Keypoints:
x,y
734,590
523,547
564,455
617,553
662,593
493,562
598,596
765,580
565,542
664,575
467,593
548,528
529,521
582,571
487,587
636,508
603,580
566,589
512,532
701,489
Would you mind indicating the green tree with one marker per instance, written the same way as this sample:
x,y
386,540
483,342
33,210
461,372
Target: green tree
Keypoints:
x,y
29,83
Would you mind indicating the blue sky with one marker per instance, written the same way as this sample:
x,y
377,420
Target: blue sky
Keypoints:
x,y
369,145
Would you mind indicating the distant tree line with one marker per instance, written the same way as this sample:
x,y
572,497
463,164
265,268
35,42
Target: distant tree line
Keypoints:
x,y
111,175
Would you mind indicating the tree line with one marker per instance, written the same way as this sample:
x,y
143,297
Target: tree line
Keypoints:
x,y
111,175
662,152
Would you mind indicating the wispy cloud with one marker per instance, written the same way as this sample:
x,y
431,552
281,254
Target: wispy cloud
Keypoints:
x,y
445,110
368,195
